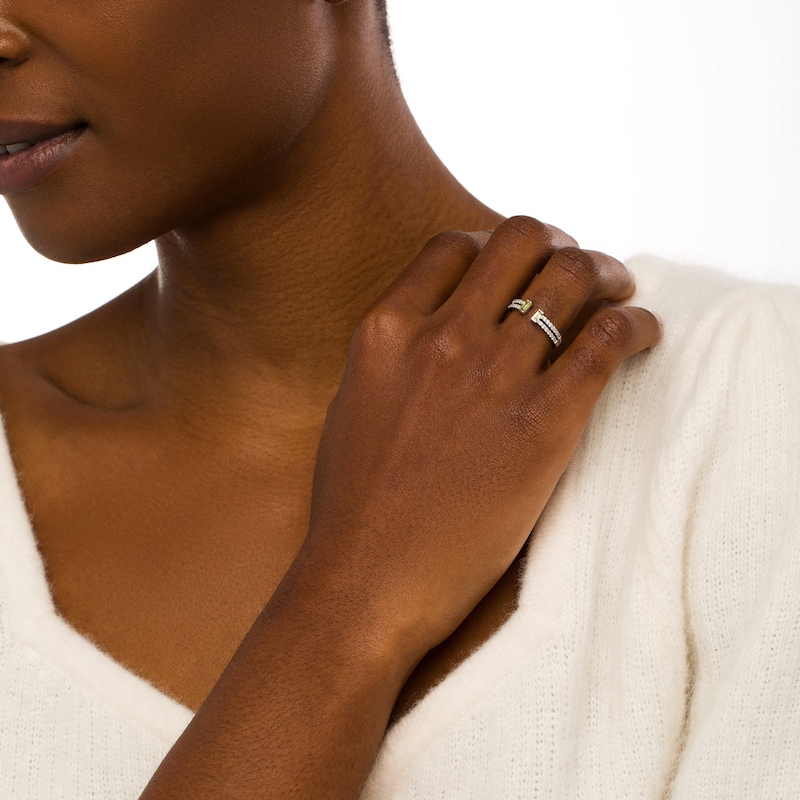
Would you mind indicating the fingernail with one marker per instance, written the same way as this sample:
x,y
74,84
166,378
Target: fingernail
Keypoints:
x,y
658,317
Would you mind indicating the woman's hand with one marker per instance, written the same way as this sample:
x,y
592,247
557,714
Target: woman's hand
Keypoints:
x,y
445,441
451,427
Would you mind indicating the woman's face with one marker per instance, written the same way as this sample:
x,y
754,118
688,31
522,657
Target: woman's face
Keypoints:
x,y
187,103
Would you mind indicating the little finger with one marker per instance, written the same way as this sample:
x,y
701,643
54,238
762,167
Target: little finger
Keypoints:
x,y
612,335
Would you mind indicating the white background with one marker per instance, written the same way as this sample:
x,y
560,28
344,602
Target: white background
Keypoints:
x,y
667,126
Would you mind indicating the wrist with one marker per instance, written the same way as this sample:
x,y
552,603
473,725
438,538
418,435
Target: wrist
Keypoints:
x,y
353,610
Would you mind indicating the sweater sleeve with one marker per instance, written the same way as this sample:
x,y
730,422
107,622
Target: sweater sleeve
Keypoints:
x,y
742,561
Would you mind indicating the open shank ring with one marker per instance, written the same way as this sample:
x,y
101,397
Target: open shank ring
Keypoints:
x,y
538,318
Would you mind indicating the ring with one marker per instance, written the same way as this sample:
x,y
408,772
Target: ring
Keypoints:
x,y
521,305
538,318
541,320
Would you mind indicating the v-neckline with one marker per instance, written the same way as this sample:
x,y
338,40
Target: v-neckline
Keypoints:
x,y
28,613
31,619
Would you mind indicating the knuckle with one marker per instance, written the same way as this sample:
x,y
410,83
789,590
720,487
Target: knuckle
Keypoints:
x,y
579,266
528,229
611,328
562,238
381,326
443,344
461,243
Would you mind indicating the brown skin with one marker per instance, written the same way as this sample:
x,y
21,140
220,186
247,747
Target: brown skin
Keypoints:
x,y
166,443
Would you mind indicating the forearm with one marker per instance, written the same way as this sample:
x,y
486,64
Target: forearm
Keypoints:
x,y
300,710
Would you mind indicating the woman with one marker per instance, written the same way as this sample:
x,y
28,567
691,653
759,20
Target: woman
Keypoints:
x,y
222,558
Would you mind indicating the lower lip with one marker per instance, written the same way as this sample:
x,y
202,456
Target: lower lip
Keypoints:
x,y
23,170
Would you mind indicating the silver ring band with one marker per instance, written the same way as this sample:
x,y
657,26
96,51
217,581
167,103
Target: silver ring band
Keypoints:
x,y
552,332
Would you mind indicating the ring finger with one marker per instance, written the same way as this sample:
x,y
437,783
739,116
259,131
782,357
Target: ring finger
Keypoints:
x,y
573,280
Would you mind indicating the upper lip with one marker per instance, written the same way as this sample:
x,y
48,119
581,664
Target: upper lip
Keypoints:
x,y
19,131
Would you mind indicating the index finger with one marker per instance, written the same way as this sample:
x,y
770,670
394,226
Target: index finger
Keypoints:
x,y
429,280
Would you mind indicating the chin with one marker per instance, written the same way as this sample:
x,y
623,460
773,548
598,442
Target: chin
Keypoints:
x,y
79,247
78,238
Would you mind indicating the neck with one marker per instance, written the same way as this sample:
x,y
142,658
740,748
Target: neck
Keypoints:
x,y
274,283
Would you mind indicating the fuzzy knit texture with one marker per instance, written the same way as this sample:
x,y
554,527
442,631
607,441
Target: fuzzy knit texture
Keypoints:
x,y
655,652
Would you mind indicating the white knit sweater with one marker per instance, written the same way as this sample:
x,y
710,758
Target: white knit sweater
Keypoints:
x,y
656,649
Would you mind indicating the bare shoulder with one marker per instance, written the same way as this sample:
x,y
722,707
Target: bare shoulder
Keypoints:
x,y
90,360
18,371
44,382
23,366
25,395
